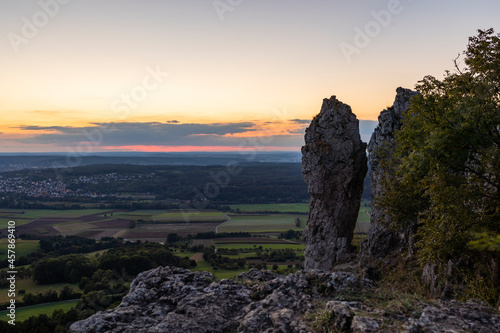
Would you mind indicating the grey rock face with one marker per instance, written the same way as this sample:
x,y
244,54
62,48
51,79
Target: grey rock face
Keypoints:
x,y
334,164
171,299
364,324
342,314
454,316
380,241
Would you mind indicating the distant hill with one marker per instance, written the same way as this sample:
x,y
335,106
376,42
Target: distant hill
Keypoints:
x,y
18,161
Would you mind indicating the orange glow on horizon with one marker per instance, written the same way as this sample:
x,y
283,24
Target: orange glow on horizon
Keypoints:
x,y
181,149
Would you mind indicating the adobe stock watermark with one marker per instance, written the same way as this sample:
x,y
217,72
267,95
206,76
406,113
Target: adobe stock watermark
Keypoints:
x,y
12,271
364,36
131,100
222,178
121,107
224,6
39,20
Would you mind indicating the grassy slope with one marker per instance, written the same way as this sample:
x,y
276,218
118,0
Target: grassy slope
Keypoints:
x,y
220,273
35,310
23,247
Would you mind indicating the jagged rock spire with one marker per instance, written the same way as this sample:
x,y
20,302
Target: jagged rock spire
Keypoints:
x,y
334,165
382,242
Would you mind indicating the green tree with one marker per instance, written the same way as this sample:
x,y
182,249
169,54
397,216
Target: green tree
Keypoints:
x,y
29,299
446,170
67,293
76,267
172,238
48,270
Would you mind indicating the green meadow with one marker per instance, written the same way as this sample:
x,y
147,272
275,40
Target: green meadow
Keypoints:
x,y
265,246
30,286
23,247
34,310
262,223
279,208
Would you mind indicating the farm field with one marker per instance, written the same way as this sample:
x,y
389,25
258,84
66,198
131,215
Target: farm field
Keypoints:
x,y
155,225
159,232
275,223
263,223
252,240
364,211
265,246
23,247
98,223
363,223
49,213
19,221
34,310
280,208
174,216
191,216
56,222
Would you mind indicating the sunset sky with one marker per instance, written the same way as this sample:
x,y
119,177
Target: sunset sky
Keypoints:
x,y
197,75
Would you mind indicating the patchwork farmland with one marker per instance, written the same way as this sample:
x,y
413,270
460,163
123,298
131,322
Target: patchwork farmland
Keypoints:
x,y
264,223
155,225
97,223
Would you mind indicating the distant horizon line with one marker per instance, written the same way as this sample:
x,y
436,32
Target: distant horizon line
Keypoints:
x,y
150,152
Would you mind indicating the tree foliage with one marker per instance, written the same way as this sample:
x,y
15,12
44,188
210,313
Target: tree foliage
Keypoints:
x,y
448,158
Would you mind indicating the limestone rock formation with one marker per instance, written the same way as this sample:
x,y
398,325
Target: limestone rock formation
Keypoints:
x,y
334,165
380,241
171,299
452,316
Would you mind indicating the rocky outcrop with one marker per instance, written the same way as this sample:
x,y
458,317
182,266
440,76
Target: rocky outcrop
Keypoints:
x,y
381,242
452,316
334,164
170,299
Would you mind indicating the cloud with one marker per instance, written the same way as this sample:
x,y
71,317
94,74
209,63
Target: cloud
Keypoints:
x,y
179,129
300,131
149,133
172,122
301,121
60,129
170,133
